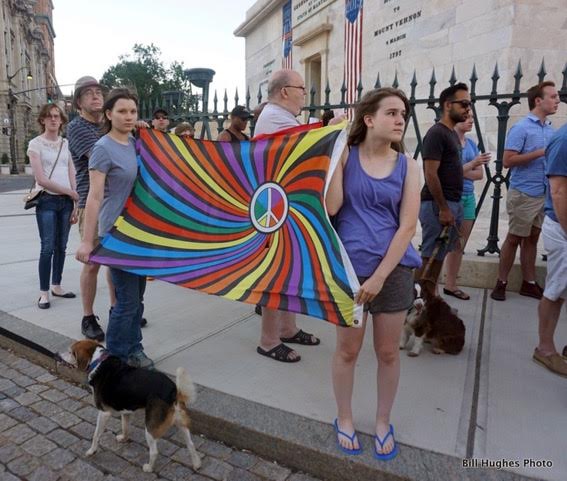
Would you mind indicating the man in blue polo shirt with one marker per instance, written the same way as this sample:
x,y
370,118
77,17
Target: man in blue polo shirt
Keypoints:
x,y
524,155
555,242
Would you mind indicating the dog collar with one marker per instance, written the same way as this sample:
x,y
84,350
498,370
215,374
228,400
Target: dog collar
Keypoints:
x,y
99,356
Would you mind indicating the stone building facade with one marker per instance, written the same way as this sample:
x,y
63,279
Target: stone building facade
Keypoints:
x,y
27,36
406,36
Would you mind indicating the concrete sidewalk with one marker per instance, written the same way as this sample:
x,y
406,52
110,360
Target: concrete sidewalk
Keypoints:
x,y
491,401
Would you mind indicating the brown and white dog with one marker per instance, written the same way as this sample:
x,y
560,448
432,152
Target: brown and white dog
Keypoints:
x,y
120,388
432,319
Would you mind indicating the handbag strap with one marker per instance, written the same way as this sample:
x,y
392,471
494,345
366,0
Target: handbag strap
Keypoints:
x,y
52,168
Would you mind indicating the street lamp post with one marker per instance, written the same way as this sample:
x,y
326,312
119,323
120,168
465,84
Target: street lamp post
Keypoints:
x,y
13,100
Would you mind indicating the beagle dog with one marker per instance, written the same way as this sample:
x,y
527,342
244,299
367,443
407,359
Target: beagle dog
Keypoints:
x,y
120,388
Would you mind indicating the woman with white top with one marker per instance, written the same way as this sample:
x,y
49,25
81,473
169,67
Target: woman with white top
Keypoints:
x,y
54,172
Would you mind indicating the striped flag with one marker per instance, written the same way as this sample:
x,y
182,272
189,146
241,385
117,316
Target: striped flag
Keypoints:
x,y
241,220
353,48
286,36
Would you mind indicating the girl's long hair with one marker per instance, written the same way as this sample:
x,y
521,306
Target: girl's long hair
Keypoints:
x,y
368,105
114,96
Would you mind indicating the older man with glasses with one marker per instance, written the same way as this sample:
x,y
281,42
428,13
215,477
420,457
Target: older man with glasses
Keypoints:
x,y
441,212
286,97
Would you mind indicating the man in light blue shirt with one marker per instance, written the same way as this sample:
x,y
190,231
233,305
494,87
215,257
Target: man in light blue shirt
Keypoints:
x,y
555,242
524,155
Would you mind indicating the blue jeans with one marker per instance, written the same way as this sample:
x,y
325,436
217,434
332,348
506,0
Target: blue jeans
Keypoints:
x,y
124,333
53,214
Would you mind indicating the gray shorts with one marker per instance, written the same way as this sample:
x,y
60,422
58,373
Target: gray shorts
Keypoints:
x,y
396,294
431,228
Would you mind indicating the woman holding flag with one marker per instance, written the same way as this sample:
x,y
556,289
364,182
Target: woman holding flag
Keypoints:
x,y
374,193
113,168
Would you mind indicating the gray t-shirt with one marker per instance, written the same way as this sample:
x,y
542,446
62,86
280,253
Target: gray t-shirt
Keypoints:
x,y
119,163
273,119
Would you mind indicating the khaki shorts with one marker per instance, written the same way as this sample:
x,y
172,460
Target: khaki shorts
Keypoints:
x,y
82,226
524,212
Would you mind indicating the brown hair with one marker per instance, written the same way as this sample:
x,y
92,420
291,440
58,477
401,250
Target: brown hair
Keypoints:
x,y
368,105
182,127
537,92
44,112
114,96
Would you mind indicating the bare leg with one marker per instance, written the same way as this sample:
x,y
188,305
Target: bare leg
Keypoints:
x,y
508,255
288,326
101,421
349,343
152,443
271,330
549,312
123,436
454,258
88,282
387,332
528,254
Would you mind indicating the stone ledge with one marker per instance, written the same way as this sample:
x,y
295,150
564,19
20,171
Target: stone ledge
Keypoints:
x,y
292,440
482,272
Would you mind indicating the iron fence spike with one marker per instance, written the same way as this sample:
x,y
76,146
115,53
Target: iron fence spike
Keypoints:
x,y
327,93
359,89
453,78
396,83
413,85
542,72
432,84
377,84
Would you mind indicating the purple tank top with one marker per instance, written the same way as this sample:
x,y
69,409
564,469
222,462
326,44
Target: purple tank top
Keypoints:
x,y
370,215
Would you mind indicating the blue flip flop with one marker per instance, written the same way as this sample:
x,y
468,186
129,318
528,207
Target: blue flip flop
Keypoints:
x,y
350,452
392,454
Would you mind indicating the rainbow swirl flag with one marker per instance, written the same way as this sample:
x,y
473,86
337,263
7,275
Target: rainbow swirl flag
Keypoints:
x,y
244,220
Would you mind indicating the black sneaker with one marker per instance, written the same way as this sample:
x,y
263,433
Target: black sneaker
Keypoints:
x,y
143,322
90,328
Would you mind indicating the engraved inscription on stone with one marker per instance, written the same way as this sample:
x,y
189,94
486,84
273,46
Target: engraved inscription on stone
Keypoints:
x,y
303,9
394,31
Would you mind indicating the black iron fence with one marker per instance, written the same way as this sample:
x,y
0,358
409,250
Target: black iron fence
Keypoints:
x,y
200,115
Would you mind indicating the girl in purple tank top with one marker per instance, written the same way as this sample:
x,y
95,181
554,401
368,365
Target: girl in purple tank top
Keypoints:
x,y
375,194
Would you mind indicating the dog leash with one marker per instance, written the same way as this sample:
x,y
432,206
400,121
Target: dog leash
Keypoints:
x,y
441,241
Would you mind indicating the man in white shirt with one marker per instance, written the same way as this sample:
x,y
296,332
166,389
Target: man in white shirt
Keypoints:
x,y
286,97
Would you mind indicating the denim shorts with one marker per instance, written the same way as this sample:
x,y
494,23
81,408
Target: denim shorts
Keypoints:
x,y
431,228
396,294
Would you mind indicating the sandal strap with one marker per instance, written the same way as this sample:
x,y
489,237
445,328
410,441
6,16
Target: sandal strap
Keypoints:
x,y
302,337
342,433
383,441
280,353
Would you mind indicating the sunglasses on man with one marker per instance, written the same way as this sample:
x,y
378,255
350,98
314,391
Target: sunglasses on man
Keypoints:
x,y
466,104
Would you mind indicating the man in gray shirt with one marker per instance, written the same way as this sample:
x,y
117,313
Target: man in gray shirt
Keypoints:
x,y
286,97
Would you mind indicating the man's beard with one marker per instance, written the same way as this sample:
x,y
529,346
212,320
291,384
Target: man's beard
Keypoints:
x,y
457,117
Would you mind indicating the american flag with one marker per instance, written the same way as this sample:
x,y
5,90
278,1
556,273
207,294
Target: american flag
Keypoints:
x,y
353,48
286,36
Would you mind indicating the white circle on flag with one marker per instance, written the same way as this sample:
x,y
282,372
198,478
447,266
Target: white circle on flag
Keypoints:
x,y
268,208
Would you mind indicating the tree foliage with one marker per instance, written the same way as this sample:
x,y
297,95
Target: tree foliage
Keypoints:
x,y
144,71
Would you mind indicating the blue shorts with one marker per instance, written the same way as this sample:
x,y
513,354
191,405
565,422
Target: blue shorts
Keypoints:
x,y
469,206
431,228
